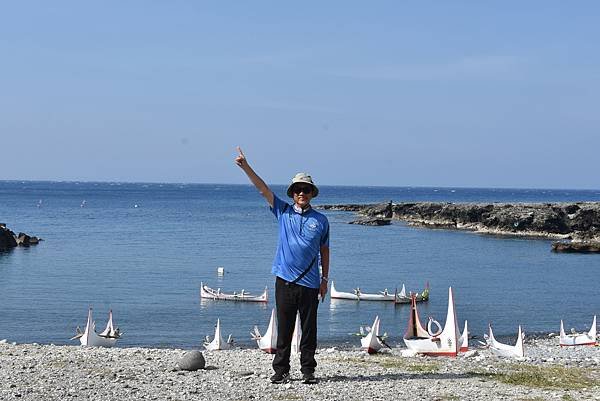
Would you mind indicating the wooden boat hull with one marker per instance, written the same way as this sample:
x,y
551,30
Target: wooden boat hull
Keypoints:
x,y
108,338
505,350
268,341
571,340
208,293
297,335
371,343
217,344
463,340
403,298
360,296
420,341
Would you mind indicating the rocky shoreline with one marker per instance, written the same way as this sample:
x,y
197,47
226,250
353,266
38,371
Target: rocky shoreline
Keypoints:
x,y
577,224
48,372
9,239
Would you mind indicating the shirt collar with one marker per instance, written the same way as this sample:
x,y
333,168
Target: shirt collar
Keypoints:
x,y
299,210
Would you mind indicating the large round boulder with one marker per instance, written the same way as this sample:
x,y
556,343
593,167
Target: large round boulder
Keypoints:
x,y
192,361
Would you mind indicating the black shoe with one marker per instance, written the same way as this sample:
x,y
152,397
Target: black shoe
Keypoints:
x,y
309,378
280,378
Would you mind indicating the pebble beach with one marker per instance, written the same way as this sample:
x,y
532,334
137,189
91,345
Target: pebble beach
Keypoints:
x,y
50,372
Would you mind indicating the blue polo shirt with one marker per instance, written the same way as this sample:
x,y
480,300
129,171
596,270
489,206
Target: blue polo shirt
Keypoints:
x,y
301,236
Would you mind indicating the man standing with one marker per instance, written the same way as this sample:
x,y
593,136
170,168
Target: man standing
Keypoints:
x,y
303,236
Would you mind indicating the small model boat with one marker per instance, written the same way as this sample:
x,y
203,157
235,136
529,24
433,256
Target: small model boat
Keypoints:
x,y
209,293
402,298
442,342
373,342
217,343
504,350
463,340
89,337
267,342
297,336
589,338
358,295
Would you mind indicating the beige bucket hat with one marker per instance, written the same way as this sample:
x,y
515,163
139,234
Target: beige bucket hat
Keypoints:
x,y
304,179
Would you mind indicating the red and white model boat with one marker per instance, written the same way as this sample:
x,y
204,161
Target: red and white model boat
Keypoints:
x,y
589,338
89,337
373,342
509,351
443,342
268,341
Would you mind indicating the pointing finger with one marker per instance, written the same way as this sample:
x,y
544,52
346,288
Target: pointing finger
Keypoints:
x,y
240,151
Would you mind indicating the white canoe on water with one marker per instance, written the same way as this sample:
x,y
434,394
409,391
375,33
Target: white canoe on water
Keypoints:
x,y
268,341
208,293
403,298
568,340
89,338
217,343
505,350
358,295
442,342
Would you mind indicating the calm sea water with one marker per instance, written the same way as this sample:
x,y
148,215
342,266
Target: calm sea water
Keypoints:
x,y
147,262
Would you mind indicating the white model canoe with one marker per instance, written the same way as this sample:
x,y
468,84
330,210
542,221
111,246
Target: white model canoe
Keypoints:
x,y
297,336
403,298
209,293
268,341
589,338
463,340
89,337
373,341
419,340
504,350
358,295
217,343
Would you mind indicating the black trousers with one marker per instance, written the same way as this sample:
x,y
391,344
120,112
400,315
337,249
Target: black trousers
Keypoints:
x,y
291,298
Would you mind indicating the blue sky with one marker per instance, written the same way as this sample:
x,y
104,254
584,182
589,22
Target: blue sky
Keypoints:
x,y
493,94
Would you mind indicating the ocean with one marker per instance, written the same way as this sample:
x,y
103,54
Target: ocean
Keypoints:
x,y
142,249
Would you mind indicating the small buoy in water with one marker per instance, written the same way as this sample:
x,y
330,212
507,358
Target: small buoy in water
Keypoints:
x,y
135,205
220,271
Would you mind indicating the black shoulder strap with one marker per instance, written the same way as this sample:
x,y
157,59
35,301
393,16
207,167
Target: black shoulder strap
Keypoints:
x,y
305,271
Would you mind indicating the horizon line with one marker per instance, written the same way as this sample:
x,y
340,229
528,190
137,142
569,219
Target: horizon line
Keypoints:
x,y
320,185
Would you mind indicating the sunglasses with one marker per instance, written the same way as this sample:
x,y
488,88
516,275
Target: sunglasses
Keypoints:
x,y
306,189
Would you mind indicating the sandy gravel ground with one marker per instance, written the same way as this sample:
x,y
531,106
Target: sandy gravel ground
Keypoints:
x,y
48,372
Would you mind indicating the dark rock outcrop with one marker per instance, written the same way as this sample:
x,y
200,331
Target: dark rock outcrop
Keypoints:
x,y
576,246
9,240
576,221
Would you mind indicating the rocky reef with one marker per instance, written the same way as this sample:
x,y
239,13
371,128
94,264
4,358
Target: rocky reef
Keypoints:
x,y
9,239
577,222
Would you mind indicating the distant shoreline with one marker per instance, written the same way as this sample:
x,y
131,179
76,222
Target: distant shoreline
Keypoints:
x,y
576,221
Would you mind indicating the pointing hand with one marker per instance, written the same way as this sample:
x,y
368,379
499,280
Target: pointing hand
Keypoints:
x,y
240,160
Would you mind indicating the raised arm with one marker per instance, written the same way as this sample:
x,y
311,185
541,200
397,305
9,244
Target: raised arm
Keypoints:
x,y
264,190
